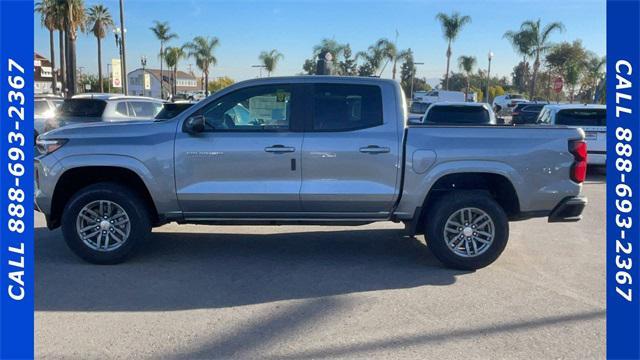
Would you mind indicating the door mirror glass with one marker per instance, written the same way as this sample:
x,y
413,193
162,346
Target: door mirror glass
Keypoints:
x,y
194,124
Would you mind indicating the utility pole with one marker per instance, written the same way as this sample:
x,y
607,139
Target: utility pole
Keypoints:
x,y
143,62
124,51
109,71
259,67
490,56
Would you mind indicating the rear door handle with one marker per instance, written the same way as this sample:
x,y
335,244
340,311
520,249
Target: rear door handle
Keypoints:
x,y
279,149
374,149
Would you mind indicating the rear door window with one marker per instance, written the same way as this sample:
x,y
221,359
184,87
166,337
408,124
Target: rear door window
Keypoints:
x,y
122,108
40,107
457,115
342,107
144,109
582,117
83,108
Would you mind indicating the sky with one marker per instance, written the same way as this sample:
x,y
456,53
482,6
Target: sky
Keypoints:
x,y
245,28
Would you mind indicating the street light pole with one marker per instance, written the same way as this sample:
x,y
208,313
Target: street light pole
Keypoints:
x,y
490,55
124,52
260,67
143,62
109,82
413,73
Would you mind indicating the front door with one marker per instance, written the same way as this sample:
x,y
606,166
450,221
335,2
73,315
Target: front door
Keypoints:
x,y
350,152
247,161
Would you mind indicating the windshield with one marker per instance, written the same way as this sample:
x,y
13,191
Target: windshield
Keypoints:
x,y
419,107
171,110
82,107
582,117
453,115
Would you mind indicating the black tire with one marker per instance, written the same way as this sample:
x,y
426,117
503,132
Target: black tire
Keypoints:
x,y
133,205
439,213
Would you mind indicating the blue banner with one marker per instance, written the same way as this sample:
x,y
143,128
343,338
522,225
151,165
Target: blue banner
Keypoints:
x,y
16,179
623,182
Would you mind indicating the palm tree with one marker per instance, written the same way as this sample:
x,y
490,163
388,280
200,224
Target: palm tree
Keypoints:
x,y
373,58
162,31
466,64
329,46
201,49
99,21
540,44
594,72
451,26
522,43
48,19
172,56
392,54
74,20
270,60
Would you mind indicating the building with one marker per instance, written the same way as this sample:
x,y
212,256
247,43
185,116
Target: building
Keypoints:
x,y
186,82
42,75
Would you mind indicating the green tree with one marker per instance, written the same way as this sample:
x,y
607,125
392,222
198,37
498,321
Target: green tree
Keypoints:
x,y
466,64
201,49
309,67
372,58
173,55
220,83
162,31
519,76
74,19
451,27
408,79
49,19
270,60
99,21
348,65
523,43
331,46
567,60
594,74
540,39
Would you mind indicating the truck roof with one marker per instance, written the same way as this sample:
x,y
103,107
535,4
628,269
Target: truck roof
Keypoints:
x,y
313,79
575,106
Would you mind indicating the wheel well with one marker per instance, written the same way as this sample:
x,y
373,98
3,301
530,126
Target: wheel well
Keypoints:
x,y
498,186
77,178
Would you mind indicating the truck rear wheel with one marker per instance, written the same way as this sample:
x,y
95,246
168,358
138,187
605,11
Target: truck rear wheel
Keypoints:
x,y
104,222
467,230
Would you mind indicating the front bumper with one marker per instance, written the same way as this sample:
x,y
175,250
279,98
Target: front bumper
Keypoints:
x,y
569,209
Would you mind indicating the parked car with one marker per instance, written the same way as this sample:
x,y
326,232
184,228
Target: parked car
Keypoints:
x,y
438,96
44,109
170,110
459,113
88,108
316,150
590,118
503,104
526,113
417,110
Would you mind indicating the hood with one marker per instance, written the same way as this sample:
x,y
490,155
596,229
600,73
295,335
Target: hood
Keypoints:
x,y
86,129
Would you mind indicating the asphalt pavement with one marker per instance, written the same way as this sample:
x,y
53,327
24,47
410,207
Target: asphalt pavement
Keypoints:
x,y
296,292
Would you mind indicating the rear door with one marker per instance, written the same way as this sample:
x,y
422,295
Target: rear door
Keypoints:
x,y
350,153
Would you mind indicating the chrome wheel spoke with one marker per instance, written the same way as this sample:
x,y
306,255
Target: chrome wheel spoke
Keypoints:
x,y
103,225
469,232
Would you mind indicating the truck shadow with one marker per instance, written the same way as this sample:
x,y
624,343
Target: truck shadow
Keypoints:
x,y
181,271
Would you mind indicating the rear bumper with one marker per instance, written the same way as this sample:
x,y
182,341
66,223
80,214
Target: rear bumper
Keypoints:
x,y
569,209
596,158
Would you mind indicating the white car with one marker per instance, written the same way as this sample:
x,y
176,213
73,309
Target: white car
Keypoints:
x,y
438,95
590,118
459,113
505,103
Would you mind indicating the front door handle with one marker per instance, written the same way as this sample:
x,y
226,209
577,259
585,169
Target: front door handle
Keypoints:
x,y
374,149
279,149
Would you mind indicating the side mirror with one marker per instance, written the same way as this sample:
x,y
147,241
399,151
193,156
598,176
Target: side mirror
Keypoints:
x,y
194,124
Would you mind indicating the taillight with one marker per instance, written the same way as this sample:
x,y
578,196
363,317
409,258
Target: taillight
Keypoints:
x,y
579,168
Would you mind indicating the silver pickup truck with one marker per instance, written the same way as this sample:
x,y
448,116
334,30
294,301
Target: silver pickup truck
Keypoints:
x,y
306,150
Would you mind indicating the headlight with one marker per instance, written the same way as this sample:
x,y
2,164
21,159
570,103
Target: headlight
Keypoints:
x,y
47,146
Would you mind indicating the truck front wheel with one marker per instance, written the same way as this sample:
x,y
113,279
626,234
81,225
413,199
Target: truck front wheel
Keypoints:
x,y
104,222
466,230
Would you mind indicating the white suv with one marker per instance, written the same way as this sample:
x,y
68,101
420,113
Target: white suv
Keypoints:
x,y
590,118
505,103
